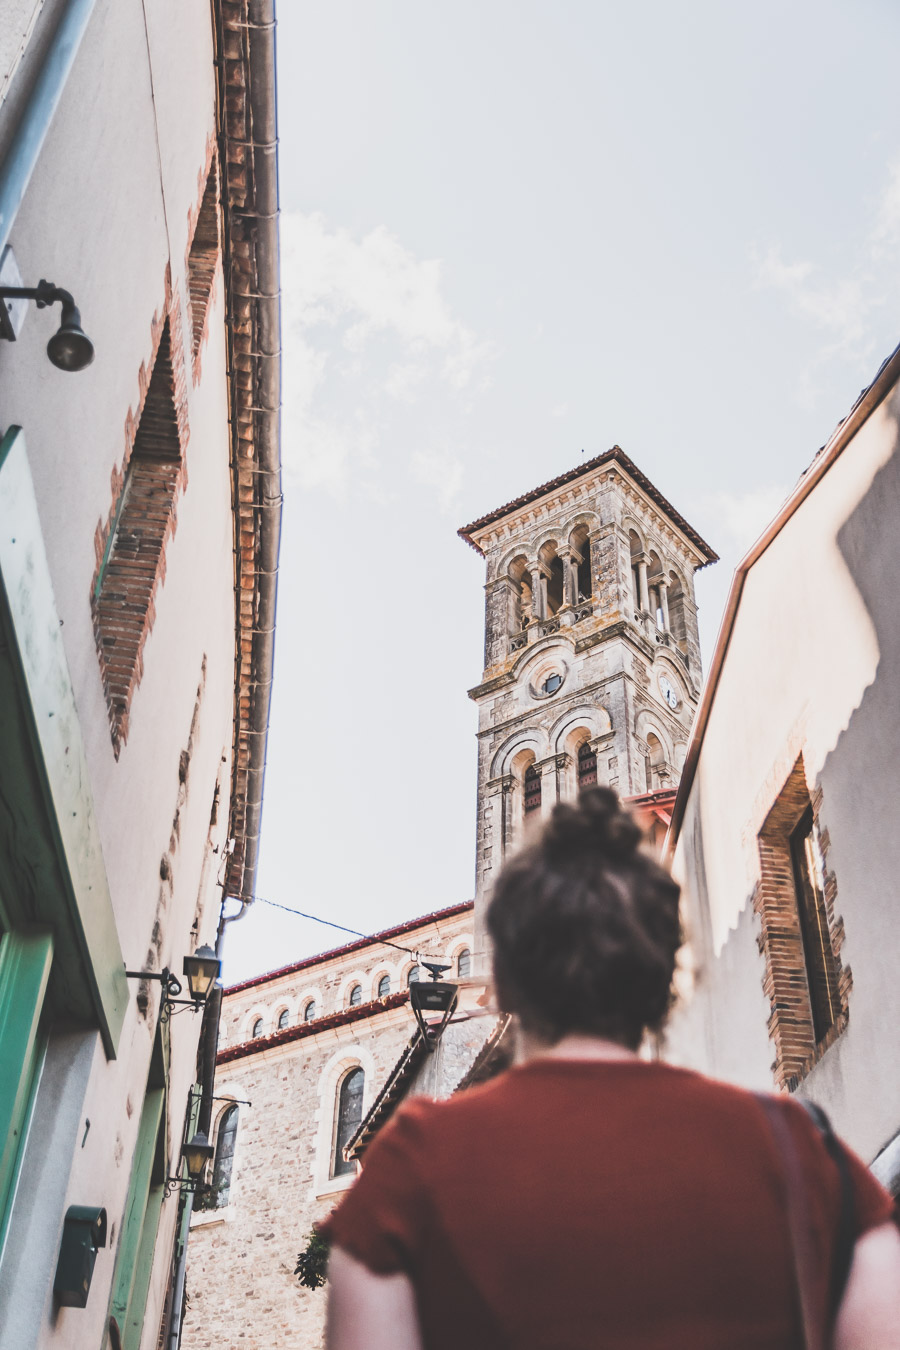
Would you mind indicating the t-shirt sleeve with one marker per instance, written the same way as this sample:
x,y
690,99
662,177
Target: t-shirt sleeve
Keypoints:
x,y
872,1204
379,1220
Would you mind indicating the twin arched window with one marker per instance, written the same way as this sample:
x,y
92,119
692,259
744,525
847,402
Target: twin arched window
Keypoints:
x,y
464,963
384,986
349,1118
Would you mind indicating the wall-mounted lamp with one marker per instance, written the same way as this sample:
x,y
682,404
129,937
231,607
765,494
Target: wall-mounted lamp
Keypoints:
x,y
70,348
195,1154
201,970
433,997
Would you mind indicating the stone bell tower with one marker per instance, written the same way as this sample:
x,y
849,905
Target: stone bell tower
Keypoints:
x,y
592,655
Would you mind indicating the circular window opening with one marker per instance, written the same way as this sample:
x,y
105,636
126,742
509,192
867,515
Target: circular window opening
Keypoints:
x,y
552,683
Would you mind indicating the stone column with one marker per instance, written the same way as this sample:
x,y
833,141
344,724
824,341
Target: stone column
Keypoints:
x,y
642,561
663,585
570,561
538,590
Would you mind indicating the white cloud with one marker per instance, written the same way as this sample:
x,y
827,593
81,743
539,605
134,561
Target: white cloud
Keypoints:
x,y
843,308
739,518
560,410
441,471
367,330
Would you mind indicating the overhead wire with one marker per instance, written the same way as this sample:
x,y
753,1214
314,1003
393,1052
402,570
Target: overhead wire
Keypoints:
x,y
329,923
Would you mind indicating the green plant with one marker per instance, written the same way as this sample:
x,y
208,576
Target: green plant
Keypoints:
x,y
313,1261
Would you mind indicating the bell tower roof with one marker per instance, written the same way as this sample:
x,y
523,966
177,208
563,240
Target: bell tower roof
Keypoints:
x,y
614,456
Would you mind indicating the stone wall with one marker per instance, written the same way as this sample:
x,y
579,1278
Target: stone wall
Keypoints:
x,y
241,1286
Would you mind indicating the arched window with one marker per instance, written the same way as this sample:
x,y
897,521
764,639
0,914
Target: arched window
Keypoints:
x,y
384,986
532,789
656,761
637,553
414,974
309,1011
257,1028
356,996
349,1116
580,540
464,963
283,1018
587,766
220,1190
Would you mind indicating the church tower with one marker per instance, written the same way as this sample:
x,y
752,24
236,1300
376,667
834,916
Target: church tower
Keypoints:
x,y
591,651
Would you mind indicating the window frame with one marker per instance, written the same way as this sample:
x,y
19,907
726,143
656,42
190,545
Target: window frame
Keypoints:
x,y
340,1167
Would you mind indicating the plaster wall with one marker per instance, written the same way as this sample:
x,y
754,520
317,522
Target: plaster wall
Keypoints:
x,y
106,214
812,668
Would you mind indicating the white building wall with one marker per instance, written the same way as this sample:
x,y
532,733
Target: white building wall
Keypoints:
x,y
812,668
106,212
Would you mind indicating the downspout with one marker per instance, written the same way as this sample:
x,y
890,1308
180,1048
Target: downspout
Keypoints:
x,y
206,1056
37,115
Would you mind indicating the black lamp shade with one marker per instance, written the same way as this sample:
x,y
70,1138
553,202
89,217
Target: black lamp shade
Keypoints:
x,y
197,1153
202,971
70,348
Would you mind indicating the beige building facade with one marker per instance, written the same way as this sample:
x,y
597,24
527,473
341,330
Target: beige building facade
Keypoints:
x,y
303,1054
784,830
135,685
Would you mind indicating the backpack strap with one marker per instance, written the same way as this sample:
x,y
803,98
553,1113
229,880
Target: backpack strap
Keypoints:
x,y
846,1233
816,1321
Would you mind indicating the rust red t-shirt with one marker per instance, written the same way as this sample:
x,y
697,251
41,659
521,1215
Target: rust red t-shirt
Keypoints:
x,y
574,1204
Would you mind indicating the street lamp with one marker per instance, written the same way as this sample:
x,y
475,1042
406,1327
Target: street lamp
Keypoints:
x,y
196,1153
433,997
70,348
202,971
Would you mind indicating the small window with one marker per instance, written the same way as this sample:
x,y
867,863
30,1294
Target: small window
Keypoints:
x,y
309,1011
220,1190
821,967
464,963
384,986
356,996
414,974
552,683
283,1018
132,563
203,256
532,789
349,1117
587,766
257,1028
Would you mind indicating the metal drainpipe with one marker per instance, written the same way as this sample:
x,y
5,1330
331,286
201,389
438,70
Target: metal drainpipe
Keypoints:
x,y
37,114
209,1037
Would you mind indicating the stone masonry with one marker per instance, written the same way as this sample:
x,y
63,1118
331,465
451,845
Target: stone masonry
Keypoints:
x,y
242,1291
591,646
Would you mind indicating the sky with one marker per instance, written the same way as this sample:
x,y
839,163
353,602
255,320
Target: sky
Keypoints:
x,y
514,235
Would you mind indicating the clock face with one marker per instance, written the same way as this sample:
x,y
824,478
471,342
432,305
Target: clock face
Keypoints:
x,y
668,691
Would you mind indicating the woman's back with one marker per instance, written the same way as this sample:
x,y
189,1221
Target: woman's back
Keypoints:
x,y
589,1203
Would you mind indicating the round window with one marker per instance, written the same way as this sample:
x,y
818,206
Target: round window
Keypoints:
x,y
552,683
